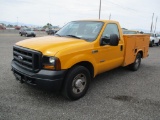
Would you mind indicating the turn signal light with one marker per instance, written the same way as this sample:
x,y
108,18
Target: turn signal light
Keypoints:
x,y
50,67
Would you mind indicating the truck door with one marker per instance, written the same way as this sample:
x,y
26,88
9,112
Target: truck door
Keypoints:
x,y
110,56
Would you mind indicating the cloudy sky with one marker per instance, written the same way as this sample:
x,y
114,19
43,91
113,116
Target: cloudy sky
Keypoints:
x,y
132,14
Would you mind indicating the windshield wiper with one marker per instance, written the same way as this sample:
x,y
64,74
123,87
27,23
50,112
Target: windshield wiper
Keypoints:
x,y
58,35
73,36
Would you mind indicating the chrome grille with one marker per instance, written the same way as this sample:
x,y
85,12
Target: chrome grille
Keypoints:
x,y
27,58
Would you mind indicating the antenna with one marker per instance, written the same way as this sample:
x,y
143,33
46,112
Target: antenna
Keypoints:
x,y
100,9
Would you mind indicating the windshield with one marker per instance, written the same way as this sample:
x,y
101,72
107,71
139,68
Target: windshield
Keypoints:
x,y
158,35
28,30
129,32
87,30
151,34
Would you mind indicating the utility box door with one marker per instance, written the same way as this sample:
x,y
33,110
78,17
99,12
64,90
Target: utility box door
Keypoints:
x,y
130,43
134,44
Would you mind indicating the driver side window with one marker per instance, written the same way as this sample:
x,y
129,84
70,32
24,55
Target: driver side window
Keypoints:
x,y
111,28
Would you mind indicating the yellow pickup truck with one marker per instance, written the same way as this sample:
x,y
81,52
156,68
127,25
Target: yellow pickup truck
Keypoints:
x,y
77,53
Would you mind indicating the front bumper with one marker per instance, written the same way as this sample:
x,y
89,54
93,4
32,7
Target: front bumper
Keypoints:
x,y
48,79
31,34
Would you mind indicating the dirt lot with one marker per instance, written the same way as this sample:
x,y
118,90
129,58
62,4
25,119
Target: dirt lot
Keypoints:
x,y
115,95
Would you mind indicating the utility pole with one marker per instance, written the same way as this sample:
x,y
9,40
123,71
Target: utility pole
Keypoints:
x,y
155,25
152,23
17,21
49,25
100,10
110,16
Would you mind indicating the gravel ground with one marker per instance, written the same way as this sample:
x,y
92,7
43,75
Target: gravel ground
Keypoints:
x,y
115,95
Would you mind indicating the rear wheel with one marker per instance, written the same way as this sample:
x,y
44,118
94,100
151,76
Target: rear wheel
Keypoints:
x,y
76,83
135,66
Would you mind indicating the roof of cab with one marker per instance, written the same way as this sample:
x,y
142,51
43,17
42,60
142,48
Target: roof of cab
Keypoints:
x,y
98,20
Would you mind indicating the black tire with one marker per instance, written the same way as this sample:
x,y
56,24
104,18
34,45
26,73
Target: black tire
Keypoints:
x,y
135,66
21,34
76,83
26,35
34,35
151,44
158,43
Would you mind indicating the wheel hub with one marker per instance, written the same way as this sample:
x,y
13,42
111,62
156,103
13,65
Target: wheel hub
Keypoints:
x,y
78,83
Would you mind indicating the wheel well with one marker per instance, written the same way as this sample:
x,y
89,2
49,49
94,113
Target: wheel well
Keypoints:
x,y
88,65
141,53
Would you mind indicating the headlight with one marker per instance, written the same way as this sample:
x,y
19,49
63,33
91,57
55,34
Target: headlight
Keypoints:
x,y
51,63
52,60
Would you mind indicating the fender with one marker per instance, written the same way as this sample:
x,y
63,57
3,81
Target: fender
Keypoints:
x,y
66,64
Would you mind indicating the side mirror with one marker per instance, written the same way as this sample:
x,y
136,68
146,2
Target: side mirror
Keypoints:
x,y
113,40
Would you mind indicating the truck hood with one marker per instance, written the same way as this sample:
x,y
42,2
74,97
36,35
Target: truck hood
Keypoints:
x,y
50,45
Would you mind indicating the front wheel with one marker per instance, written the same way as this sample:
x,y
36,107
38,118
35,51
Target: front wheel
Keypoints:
x,y
26,35
151,44
135,66
76,83
158,43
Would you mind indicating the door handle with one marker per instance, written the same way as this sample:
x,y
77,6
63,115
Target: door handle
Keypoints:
x,y
94,51
121,48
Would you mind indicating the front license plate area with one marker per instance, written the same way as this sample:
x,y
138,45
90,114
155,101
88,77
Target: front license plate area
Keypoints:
x,y
18,77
